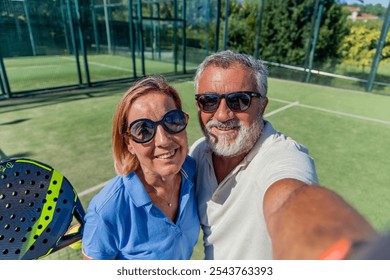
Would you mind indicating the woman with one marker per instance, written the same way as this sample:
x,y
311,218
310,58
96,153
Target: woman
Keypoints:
x,y
149,210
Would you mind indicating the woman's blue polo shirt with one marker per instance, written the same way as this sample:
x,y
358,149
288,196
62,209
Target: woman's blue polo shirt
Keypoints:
x,y
123,223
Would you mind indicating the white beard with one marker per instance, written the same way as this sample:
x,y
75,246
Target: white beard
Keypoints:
x,y
226,145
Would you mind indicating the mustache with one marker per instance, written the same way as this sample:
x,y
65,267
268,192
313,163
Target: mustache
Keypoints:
x,y
229,124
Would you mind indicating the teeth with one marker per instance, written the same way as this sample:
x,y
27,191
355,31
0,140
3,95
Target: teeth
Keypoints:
x,y
167,155
225,128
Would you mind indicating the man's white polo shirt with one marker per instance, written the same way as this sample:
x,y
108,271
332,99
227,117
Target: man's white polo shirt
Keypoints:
x,y
231,213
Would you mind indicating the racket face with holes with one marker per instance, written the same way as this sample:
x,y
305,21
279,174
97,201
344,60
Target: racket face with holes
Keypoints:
x,y
37,205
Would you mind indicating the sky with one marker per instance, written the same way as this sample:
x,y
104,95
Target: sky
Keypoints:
x,y
384,3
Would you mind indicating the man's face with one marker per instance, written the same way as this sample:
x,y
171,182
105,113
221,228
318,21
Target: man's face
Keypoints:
x,y
230,133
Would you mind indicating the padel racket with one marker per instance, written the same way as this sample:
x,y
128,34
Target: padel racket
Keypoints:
x,y
37,206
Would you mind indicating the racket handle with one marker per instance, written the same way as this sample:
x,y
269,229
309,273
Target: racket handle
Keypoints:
x,y
71,237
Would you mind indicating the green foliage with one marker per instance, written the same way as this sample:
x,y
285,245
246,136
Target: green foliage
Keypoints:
x,y
242,26
373,23
359,46
333,30
286,26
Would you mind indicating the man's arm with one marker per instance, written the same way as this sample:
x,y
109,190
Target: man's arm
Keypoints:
x,y
304,220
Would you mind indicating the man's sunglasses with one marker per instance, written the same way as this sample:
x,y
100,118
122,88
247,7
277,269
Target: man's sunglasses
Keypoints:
x,y
236,101
143,130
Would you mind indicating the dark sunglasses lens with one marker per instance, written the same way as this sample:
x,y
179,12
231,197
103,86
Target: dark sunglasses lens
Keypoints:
x,y
208,102
175,121
142,131
238,101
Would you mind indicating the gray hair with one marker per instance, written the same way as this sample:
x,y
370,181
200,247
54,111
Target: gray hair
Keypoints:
x,y
226,59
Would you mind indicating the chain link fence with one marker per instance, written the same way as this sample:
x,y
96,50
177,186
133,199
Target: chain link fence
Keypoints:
x,y
54,44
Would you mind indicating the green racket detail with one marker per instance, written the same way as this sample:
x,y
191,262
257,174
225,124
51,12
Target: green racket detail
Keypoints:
x,y
46,215
37,206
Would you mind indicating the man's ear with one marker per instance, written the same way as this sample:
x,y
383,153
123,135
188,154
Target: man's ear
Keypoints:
x,y
197,105
264,103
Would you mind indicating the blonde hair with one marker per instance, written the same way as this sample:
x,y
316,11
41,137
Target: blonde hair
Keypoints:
x,y
124,161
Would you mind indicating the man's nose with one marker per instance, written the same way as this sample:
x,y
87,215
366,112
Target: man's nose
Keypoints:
x,y
223,112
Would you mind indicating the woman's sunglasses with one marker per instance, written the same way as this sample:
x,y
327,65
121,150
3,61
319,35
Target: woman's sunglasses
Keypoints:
x,y
236,101
143,130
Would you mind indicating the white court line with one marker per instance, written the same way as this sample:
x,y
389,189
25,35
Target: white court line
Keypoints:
x,y
345,114
92,189
33,66
110,66
282,109
332,111
279,100
102,65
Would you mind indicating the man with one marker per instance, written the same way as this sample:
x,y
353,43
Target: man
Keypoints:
x,y
256,187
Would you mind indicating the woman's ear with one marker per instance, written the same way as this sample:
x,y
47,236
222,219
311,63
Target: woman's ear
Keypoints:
x,y
128,144
130,148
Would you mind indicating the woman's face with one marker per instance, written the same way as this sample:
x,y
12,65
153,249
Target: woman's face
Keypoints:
x,y
164,155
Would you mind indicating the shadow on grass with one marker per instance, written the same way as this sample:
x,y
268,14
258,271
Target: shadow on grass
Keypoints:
x,y
29,100
3,156
14,122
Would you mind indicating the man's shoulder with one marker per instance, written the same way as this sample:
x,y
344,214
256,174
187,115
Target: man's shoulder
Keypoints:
x,y
198,147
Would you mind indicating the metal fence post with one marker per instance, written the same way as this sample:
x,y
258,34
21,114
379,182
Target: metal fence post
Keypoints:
x,y
175,48
259,22
95,28
226,31
82,43
5,88
216,38
132,40
207,47
63,17
34,51
141,36
107,26
74,43
379,48
184,35
315,38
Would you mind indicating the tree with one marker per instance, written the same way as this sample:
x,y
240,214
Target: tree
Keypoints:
x,y
333,30
286,28
242,25
359,46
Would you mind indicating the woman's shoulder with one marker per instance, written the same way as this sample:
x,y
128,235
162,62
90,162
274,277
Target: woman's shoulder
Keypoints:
x,y
189,166
189,161
113,186
112,194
